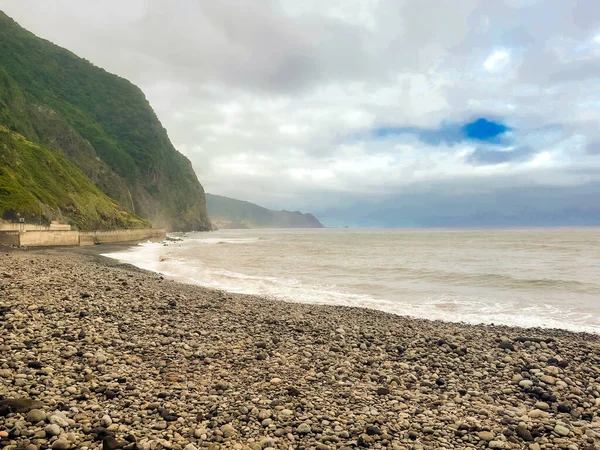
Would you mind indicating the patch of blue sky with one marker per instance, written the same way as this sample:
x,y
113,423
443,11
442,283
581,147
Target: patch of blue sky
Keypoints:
x,y
484,130
480,130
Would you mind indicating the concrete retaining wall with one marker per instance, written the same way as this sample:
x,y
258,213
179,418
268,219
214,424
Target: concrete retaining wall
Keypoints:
x,y
48,238
86,239
105,237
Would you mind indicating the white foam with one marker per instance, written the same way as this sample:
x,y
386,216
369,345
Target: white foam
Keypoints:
x,y
446,307
144,255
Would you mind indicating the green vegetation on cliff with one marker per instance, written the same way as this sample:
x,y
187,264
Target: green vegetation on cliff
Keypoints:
x,y
228,212
43,185
102,123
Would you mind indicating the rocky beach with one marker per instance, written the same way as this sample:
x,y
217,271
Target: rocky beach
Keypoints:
x,y
97,354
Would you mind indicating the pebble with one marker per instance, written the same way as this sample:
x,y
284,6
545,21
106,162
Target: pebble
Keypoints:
x,y
548,379
486,435
524,433
35,416
106,421
199,432
526,384
537,413
303,428
52,430
110,443
228,430
146,363
160,425
267,443
61,444
58,418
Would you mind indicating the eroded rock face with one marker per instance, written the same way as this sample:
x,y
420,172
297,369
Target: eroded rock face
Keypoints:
x,y
142,362
104,125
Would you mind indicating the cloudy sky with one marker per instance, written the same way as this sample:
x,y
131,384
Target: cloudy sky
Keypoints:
x,y
371,112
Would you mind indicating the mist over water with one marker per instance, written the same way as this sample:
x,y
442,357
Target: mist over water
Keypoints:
x,y
534,277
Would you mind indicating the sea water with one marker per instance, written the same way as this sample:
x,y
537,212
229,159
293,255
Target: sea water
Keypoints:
x,y
529,277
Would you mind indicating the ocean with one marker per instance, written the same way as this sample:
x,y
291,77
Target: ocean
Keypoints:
x,y
527,277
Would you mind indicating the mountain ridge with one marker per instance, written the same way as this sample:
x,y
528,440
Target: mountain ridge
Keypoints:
x,y
233,213
102,123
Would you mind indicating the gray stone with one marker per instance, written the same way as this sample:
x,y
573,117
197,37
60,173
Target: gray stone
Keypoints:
x,y
61,444
106,421
52,430
267,442
228,430
303,428
524,433
525,384
548,379
542,405
507,345
160,425
35,416
486,435
537,414
58,418
110,443
264,414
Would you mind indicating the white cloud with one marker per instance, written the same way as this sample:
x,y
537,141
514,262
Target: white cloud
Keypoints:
x,y
541,159
497,61
277,101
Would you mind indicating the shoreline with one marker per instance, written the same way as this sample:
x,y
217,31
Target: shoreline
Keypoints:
x,y
99,251
124,352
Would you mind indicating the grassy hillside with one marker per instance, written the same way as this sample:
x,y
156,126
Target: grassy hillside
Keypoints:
x,y
115,119
43,185
14,108
245,214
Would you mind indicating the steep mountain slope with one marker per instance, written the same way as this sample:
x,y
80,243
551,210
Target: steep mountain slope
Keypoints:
x,y
232,213
102,123
43,186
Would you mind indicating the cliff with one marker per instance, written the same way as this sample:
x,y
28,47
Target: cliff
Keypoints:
x,y
43,186
228,212
102,123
